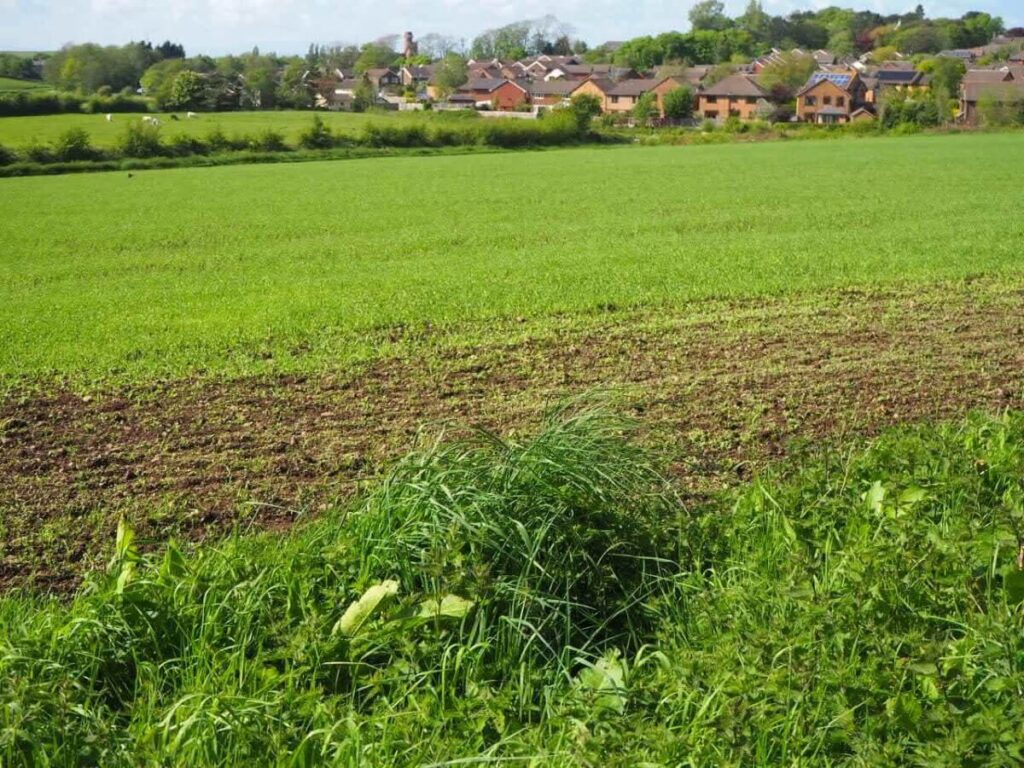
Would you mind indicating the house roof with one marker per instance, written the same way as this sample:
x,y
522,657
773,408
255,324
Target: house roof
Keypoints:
x,y
840,80
552,87
420,71
488,84
378,72
692,75
735,85
1011,90
602,84
632,87
986,76
899,77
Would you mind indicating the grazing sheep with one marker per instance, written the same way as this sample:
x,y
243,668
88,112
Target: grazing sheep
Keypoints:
x,y
191,115
110,118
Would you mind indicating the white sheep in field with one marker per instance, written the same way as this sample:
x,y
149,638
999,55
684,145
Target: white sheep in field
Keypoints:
x,y
151,120
110,118
191,115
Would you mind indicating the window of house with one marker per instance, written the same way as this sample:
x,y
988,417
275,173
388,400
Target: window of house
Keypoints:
x,y
810,101
827,100
711,114
711,99
840,101
615,99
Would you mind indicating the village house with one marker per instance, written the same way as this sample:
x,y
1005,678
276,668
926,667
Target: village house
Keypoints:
x,y
734,96
497,93
594,86
417,76
830,97
899,80
692,76
667,85
997,92
624,94
382,78
546,93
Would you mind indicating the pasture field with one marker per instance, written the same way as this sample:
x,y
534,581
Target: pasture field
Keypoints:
x,y
14,84
21,131
713,456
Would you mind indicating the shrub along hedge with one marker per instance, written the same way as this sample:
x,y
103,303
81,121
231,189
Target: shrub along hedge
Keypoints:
x,y
26,103
143,141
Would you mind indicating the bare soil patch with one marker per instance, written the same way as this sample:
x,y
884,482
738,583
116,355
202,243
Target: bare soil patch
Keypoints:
x,y
728,387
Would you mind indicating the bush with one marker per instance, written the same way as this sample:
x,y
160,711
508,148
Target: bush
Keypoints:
x,y
734,125
73,144
453,135
38,153
7,156
317,136
185,145
269,141
140,140
395,134
708,126
217,140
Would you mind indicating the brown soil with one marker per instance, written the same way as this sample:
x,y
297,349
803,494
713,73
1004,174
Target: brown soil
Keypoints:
x,y
727,387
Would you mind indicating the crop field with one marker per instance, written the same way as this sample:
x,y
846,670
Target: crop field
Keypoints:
x,y
712,456
270,269
22,131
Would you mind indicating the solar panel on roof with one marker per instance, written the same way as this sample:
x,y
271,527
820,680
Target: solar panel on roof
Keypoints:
x,y
833,77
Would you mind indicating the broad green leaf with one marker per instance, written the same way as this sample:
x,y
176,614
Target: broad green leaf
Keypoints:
x,y
449,606
359,612
1014,582
875,495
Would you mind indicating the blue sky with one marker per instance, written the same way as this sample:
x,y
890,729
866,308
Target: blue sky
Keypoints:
x,y
288,26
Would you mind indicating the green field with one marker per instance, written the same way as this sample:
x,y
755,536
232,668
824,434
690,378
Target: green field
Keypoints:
x,y
258,268
20,131
712,456
12,84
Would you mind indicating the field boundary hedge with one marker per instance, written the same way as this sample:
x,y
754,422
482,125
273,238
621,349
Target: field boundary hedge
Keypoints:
x,y
141,147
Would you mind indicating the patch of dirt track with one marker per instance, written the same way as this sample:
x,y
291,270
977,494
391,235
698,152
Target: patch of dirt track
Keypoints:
x,y
729,387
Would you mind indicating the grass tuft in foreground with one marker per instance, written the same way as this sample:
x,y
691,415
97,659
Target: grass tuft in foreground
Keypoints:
x,y
472,584
512,599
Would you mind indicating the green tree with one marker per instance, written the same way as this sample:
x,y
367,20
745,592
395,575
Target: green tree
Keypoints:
x,y
709,14
374,56
449,74
755,21
365,96
584,107
785,76
946,73
646,107
188,91
679,103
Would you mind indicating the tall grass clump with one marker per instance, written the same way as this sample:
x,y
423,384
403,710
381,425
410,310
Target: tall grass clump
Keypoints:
x,y
465,591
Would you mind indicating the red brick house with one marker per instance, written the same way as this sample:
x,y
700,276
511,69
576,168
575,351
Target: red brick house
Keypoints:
x,y
504,95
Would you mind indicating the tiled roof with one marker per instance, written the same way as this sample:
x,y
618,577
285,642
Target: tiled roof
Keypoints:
x,y
735,85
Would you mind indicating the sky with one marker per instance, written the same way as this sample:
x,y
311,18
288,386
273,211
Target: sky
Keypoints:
x,y
289,26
